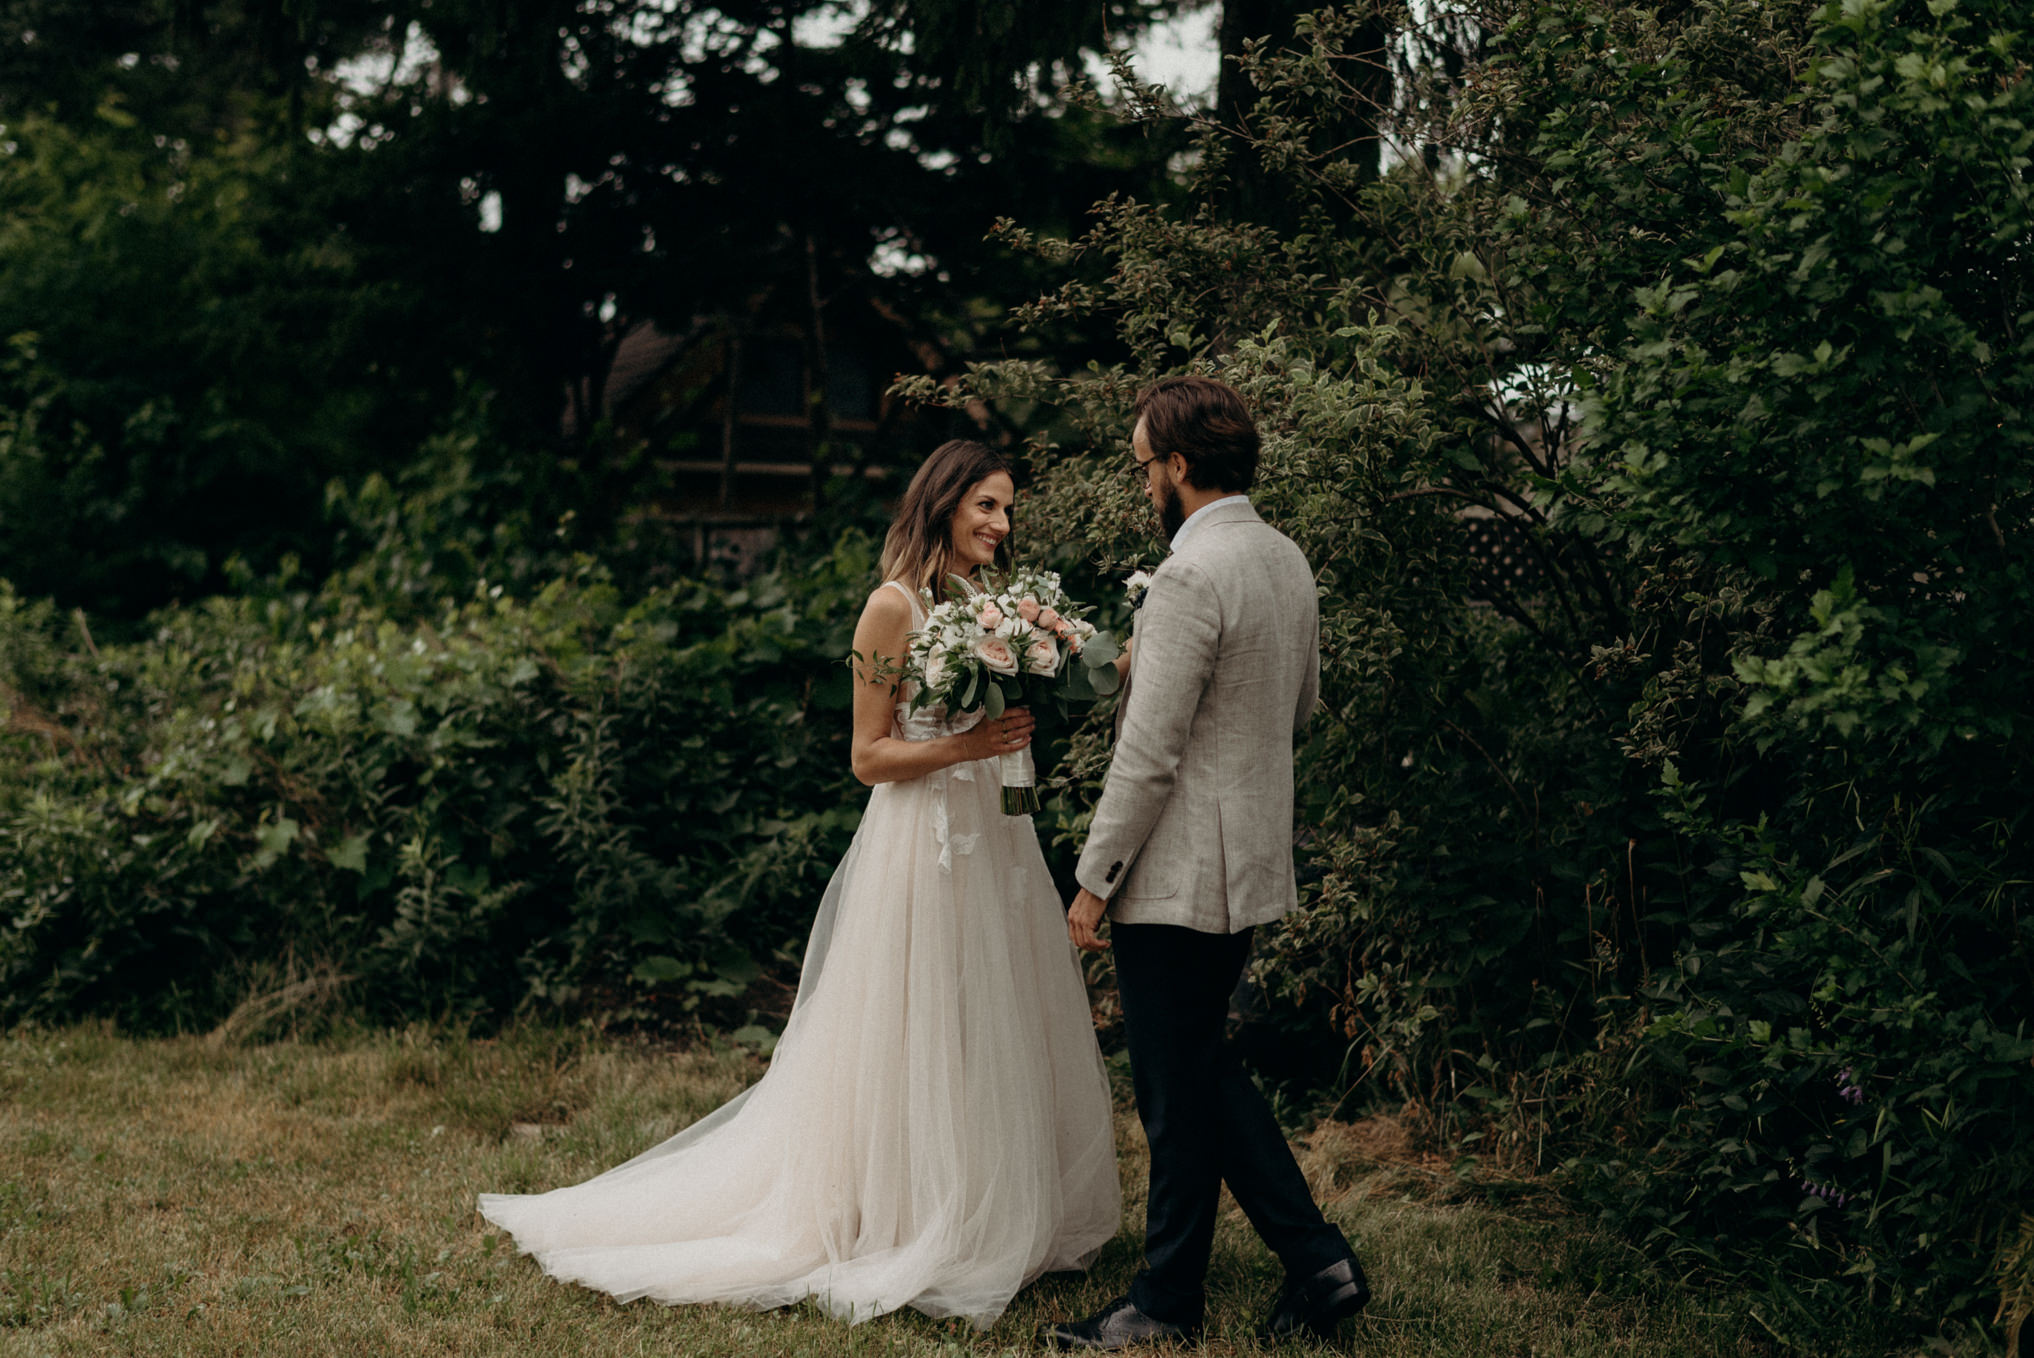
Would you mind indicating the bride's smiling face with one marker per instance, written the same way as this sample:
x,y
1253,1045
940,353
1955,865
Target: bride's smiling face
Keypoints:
x,y
981,522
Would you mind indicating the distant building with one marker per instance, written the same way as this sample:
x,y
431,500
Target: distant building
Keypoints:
x,y
732,411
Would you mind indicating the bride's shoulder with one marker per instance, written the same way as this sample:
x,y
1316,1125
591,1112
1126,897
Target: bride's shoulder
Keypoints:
x,y
889,605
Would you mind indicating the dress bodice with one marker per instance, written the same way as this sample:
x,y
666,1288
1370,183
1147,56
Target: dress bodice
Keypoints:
x,y
927,723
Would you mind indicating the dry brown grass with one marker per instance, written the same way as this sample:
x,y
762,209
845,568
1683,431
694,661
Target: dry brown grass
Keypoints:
x,y
188,1197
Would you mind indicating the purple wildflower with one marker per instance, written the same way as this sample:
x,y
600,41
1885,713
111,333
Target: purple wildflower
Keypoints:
x,y
1825,1192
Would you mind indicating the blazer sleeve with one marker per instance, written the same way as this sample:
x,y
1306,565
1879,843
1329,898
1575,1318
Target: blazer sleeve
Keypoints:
x,y
1310,677
1179,632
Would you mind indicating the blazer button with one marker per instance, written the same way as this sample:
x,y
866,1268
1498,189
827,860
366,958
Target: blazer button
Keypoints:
x,y
1114,868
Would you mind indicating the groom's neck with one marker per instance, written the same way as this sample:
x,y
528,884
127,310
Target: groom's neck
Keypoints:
x,y
1192,499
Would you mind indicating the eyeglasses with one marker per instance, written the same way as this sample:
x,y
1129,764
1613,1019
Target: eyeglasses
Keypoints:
x,y
1138,464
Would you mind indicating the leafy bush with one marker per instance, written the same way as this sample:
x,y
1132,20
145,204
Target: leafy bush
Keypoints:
x,y
187,354
1823,413
1691,863
555,801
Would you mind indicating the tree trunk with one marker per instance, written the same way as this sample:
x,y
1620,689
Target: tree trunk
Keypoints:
x,y
819,420
1254,193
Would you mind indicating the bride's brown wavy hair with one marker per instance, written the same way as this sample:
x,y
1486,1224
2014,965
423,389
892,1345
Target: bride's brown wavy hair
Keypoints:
x,y
920,541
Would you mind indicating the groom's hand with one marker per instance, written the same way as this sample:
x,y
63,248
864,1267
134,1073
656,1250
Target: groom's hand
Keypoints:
x,y
1083,917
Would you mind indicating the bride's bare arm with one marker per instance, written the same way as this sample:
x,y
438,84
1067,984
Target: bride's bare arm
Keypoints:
x,y
879,757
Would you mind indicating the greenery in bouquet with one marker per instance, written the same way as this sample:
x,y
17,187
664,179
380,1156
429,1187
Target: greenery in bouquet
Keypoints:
x,y
1012,642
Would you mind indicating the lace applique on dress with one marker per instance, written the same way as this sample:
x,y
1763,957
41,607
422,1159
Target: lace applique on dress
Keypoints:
x,y
951,844
924,726
930,723
942,828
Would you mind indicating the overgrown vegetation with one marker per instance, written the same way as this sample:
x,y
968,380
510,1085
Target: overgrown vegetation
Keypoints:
x,y
563,801
1690,860
1687,862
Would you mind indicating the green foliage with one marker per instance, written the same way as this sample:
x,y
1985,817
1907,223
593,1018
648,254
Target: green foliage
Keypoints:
x,y
552,802
247,249
1826,409
1694,862
187,361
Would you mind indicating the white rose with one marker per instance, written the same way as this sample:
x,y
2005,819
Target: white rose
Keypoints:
x,y
935,669
995,652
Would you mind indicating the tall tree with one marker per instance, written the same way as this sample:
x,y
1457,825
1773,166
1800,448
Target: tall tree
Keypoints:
x,y
470,191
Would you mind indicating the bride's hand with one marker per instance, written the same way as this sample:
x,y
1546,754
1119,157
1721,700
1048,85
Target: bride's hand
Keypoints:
x,y
993,736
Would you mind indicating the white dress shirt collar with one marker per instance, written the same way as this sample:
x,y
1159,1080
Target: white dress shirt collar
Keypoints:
x,y
1193,518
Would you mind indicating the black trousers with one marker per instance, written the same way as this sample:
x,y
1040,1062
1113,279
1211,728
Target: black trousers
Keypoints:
x,y
1205,1120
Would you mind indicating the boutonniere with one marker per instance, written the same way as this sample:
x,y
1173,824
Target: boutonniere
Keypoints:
x,y
1134,587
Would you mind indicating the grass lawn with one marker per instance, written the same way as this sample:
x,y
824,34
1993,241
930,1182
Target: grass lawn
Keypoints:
x,y
299,1198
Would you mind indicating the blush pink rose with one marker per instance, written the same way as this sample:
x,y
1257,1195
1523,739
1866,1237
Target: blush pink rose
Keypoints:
x,y
991,617
1027,609
995,653
1048,618
1042,657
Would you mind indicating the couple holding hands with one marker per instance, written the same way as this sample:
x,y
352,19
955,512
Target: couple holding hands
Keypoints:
x,y
934,1127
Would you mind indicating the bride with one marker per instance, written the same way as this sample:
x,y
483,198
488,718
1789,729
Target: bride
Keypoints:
x,y
934,1129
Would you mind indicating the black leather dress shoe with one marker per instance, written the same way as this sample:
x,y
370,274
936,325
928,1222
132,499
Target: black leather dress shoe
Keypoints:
x,y
1119,1325
1315,1305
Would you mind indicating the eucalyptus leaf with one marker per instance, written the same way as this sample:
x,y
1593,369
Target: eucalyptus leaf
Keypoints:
x,y
1100,649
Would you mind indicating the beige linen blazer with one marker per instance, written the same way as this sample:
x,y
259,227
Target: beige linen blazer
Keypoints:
x,y
1195,823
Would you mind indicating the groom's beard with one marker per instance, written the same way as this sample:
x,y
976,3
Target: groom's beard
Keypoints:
x,y
1171,513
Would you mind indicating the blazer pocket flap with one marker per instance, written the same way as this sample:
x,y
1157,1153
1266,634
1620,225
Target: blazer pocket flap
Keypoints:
x,y
1155,874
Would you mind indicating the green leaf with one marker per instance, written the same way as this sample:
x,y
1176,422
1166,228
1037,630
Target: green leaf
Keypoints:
x,y
1100,649
658,969
1467,265
351,855
272,840
1105,679
756,1036
992,700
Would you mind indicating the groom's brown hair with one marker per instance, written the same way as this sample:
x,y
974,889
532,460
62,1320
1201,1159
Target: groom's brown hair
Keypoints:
x,y
1205,422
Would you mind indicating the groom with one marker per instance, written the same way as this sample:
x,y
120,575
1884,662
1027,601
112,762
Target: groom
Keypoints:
x,y
1190,848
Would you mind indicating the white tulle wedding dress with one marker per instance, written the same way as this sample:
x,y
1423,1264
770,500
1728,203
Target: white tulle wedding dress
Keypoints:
x,y
934,1128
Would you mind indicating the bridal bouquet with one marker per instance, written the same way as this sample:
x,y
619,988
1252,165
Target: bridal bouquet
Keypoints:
x,y
1018,641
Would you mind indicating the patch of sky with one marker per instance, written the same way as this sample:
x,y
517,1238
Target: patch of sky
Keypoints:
x,y
1183,54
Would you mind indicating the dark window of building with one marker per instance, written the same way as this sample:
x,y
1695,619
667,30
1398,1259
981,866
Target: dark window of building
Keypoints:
x,y
773,377
850,385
